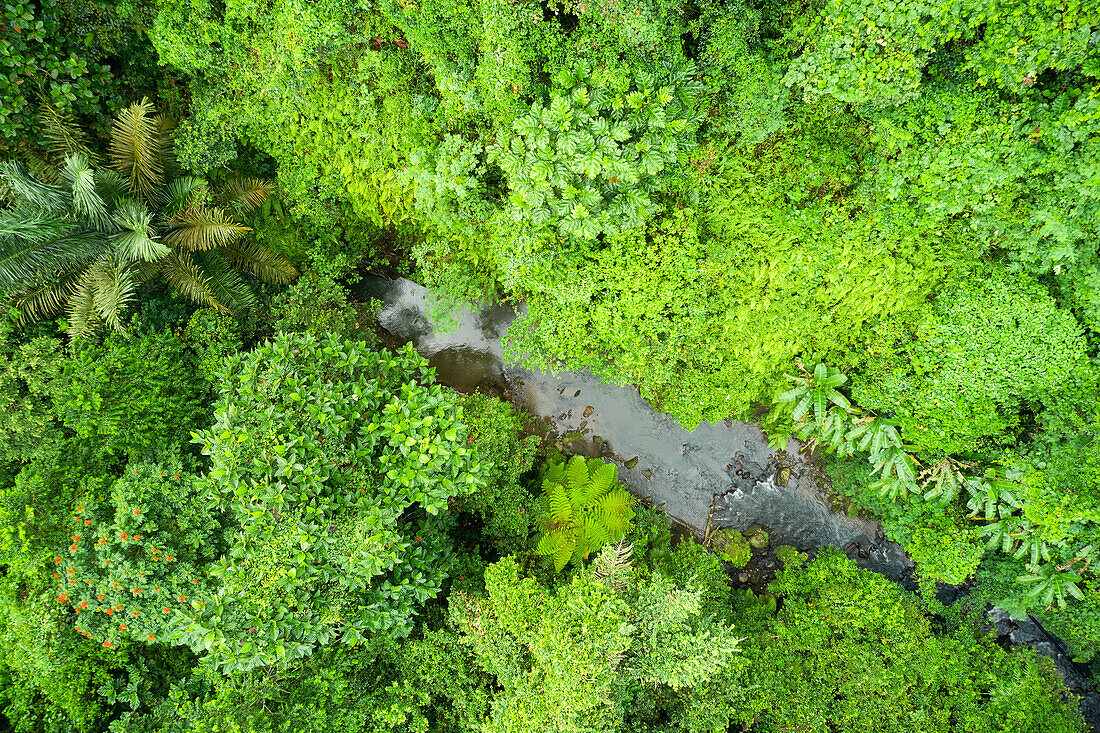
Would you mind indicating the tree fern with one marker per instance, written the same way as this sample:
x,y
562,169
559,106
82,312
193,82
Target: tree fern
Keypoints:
x,y
581,507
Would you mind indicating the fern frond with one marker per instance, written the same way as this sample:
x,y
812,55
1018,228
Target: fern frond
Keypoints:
x,y
560,508
596,534
136,148
246,194
615,509
64,135
189,280
198,228
603,478
613,565
44,299
225,283
577,472
556,473
254,258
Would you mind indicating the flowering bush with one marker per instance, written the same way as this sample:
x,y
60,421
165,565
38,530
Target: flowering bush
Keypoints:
x,y
134,556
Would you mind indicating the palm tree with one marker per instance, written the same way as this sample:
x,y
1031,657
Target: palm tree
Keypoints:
x,y
81,238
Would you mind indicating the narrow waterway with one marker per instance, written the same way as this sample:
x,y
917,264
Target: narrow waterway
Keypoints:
x,y
726,468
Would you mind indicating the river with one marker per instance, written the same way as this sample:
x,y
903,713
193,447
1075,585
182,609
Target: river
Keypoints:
x,y
726,468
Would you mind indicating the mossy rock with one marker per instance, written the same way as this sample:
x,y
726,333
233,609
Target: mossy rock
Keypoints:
x,y
789,556
731,546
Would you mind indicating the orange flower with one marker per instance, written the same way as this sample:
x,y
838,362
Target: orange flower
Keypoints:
x,y
57,561
72,548
166,609
137,512
87,521
80,507
70,571
169,558
182,599
118,606
108,644
124,536
56,575
135,614
102,540
177,475
99,597
122,627
150,637
135,591
110,612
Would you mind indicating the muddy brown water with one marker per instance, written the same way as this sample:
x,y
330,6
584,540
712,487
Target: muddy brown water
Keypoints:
x,y
724,467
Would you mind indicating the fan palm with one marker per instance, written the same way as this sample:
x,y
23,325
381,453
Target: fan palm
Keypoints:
x,y
84,239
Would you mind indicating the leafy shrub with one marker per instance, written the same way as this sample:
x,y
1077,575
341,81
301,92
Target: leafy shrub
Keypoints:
x,y
850,651
505,505
989,348
214,336
50,675
316,304
581,509
133,394
691,566
587,160
338,464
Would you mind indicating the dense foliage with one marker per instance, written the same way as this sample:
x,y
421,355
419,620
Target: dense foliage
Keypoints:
x,y
225,506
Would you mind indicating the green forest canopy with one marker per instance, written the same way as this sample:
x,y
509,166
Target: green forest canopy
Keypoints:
x,y
869,224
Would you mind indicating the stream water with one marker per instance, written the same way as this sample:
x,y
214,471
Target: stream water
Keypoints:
x,y
724,468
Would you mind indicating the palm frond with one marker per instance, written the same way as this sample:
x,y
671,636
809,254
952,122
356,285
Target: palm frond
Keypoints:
x,y
83,320
136,148
254,258
135,241
182,192
225,282
64,135
189,280
111,186
43,299
246,194
199,228
41,167
26,260
30,189
88,205
113,289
